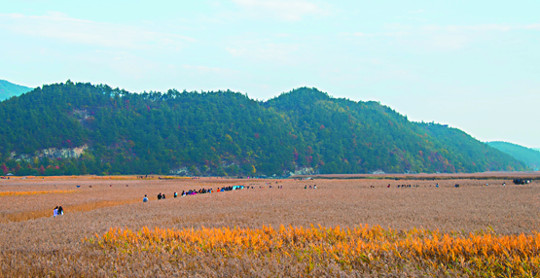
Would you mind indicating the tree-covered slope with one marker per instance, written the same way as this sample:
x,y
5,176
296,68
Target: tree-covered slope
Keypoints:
x,y
8,89
82,128
359,137
467,152
530,157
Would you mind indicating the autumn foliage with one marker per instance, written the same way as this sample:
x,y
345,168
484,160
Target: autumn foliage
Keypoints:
x,y
323,251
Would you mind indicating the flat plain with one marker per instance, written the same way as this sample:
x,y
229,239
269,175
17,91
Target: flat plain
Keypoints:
x,y
33,243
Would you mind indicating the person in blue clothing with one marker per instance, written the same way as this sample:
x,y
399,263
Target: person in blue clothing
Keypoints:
x,y
145,199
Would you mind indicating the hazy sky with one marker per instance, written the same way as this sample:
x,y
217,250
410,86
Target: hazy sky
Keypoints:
x,y
474,65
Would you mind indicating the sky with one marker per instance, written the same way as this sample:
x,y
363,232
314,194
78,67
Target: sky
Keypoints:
x,y
474,65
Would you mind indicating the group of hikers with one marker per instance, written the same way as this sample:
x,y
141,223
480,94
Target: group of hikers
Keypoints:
x,y
436,185
58,210
408,185
190,192
415,185
200,191
162,196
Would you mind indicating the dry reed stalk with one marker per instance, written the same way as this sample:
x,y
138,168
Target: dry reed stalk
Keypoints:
x,y
50,246
354,250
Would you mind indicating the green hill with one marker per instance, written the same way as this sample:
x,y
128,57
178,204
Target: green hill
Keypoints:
x,y
530,157
8,90
82,128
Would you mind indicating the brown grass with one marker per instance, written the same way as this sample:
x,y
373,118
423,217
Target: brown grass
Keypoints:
x,y
33,243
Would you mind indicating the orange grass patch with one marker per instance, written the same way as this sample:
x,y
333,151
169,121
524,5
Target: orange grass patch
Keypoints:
x,y
29,215
24,193
88,177
363,249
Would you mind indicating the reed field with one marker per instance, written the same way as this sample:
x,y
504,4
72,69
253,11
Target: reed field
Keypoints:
x,y
346,227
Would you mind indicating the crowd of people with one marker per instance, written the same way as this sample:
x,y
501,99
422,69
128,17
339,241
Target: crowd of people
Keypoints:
x,y
406,186
416,185
457,185
161,196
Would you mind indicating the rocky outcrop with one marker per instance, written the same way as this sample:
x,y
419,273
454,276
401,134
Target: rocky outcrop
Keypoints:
x,y
63,153
52,153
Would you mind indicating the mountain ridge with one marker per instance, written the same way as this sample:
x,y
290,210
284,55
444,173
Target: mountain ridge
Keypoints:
x,y
8,89
531,157
226,133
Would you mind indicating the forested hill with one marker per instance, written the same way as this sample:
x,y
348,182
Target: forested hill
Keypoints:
x,y
8,89
87,129
530,157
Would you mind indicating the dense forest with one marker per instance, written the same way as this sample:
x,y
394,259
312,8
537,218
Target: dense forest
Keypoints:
x,y
82,128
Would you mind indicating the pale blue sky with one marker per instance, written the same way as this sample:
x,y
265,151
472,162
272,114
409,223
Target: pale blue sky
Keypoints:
x,y
474,65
